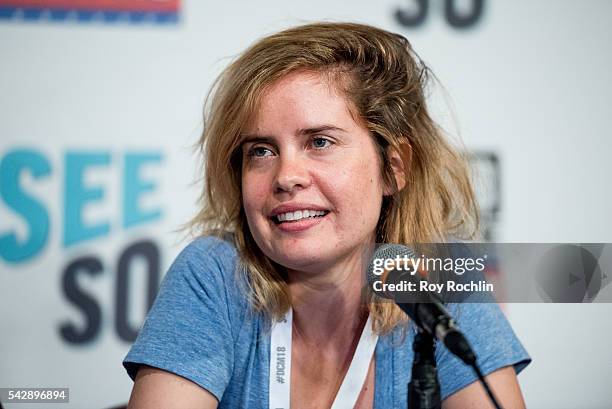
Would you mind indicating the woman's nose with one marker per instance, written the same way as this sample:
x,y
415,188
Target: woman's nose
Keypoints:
x,y
292,174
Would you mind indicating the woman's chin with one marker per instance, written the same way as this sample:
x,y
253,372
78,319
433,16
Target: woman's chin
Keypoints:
x,y
312,254
303,259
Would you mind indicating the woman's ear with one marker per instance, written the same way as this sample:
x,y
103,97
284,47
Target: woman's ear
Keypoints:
x,y
398,166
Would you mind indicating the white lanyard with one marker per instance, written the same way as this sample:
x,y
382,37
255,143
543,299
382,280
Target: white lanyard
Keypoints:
x,y
280,366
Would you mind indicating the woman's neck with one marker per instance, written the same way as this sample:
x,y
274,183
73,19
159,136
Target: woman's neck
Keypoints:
x,y
328,308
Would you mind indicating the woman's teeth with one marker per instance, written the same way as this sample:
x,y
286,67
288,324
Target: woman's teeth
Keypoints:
x,y
299,214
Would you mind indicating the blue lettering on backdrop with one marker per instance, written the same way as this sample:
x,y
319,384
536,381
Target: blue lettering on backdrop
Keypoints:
x,y
134,187
33,211
76,195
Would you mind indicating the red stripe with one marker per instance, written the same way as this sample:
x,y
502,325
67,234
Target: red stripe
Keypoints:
x,y
102,5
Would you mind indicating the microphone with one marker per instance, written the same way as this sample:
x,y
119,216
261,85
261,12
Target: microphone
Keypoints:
x,y
428,313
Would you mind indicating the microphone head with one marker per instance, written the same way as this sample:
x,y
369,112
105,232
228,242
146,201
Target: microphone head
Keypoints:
x,y
376,268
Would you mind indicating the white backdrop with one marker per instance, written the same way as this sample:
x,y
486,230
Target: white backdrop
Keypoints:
x,y
529,82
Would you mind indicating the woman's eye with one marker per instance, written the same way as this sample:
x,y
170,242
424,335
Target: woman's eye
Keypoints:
x,y
320,143
259,151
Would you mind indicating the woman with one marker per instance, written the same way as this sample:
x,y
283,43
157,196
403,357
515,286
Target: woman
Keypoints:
x,y
318,144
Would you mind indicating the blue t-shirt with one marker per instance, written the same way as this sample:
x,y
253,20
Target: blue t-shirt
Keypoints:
x,y
202,328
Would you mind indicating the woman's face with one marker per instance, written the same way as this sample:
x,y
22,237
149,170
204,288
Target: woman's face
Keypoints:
x,y
311,183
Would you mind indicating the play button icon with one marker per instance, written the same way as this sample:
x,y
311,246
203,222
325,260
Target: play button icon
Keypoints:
x,y
568,273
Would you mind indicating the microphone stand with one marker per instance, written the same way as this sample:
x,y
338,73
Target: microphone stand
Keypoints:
x,y
424,387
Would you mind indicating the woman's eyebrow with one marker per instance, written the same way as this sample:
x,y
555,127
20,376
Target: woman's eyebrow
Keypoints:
x,y
301,132
256,139
317,129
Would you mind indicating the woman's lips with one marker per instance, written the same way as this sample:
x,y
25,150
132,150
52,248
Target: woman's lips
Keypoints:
x,y
299,225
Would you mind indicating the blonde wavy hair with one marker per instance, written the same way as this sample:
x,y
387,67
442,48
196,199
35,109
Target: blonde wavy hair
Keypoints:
x,y
385,83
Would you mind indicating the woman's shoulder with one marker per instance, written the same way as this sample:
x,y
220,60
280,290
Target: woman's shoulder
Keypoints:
x,y
492,338
488,332
208,268
197,325
206,256
209,248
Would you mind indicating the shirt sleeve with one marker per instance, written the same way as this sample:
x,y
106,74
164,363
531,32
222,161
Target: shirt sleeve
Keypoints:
x,y
187,331
492,339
